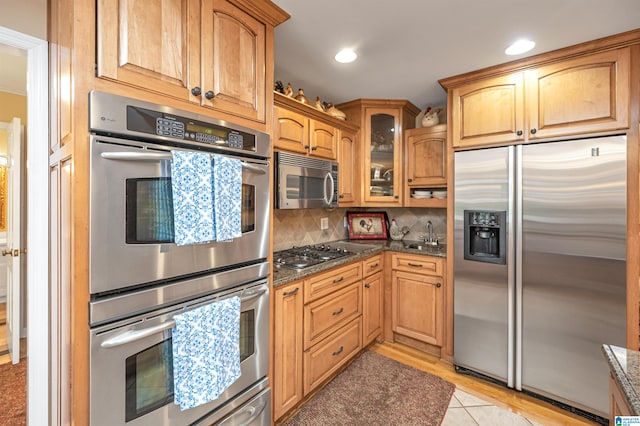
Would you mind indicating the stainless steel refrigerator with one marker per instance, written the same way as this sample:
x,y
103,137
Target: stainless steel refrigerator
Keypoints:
x,y
539,266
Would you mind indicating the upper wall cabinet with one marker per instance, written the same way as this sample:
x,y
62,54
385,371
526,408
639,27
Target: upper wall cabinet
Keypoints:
x,y
214,53
303,129
382,123
582,95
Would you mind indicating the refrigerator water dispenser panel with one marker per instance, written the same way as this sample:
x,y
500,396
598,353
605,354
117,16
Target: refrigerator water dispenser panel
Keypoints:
x,y
485,235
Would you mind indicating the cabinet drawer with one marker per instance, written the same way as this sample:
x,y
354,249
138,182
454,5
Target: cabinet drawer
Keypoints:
x,y
416,263
328,356
325,315
371,265
327,282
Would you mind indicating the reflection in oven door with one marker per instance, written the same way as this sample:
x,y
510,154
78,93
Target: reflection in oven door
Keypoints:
x,y
131,365
131,218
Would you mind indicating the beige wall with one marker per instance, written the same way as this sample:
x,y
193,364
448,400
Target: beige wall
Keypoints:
x,y
11,106
25,16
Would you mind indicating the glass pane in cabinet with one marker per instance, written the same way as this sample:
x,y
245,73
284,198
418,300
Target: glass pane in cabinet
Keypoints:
x,y
383,129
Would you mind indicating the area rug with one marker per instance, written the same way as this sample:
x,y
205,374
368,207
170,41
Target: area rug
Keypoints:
x,y
13,385
375,390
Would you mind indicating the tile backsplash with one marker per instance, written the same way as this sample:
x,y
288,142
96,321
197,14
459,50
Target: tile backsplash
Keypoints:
x,y
299,227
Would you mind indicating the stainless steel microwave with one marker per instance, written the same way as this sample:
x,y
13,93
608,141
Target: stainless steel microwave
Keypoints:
x,y
304,182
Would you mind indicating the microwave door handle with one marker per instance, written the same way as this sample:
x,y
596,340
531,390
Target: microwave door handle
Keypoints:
x,y
132,336
157,156
326,198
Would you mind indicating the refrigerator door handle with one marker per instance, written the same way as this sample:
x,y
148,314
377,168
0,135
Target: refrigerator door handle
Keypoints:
x,y
511,217
517,276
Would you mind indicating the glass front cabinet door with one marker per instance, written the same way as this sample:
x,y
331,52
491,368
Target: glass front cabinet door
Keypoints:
x,y
383,156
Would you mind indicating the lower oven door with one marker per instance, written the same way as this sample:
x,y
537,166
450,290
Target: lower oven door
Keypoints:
x,y
131,366
131,218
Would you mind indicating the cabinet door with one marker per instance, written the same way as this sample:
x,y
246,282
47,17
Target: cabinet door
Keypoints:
x,y
583,95
348,170
383,157
147,44
233,49
324,139
426,158
287,340
371,308
290,131
488,112
416,306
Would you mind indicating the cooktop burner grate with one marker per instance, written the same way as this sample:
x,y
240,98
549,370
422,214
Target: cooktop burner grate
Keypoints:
x,y
306,256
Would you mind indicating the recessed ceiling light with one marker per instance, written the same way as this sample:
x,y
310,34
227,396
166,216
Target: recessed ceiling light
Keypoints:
x,y
519,47
345,56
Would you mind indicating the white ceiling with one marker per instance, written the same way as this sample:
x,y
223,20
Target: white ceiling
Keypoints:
x,y
406,46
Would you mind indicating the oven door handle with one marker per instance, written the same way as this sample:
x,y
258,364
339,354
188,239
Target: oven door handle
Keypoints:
x,y
158,156
134,335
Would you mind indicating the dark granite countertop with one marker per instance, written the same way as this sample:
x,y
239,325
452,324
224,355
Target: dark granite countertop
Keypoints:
x,y
625,369
283,275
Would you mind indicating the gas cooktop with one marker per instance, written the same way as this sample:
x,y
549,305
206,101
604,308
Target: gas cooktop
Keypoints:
x,y
303,257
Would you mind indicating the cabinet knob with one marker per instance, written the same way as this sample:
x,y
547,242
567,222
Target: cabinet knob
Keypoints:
x,y
196,91
533,131
410,180
438,285
341,196
396,196
209,95
313,148
307,146
367,286
519,133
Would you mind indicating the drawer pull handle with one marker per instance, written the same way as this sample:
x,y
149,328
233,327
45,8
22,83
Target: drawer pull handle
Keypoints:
x,y
337,280
375,265
438,285
339,351
338,312
417,265
367,285
292,292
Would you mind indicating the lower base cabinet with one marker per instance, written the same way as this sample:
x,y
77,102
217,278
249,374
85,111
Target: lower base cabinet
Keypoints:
x,y
288,332
325,358
618,403
417,298
320,323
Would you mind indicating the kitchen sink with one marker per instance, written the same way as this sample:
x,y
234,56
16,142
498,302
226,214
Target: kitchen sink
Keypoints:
x,y
419,245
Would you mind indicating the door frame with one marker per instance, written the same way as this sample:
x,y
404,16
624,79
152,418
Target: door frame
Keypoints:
x,y
37,182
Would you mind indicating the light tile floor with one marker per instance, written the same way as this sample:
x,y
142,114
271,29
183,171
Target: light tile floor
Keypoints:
x,y
468,410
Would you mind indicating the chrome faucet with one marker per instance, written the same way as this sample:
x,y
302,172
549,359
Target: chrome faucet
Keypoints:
x,y
429,238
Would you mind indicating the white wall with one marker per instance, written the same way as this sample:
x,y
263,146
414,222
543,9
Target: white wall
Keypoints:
x,y
26,16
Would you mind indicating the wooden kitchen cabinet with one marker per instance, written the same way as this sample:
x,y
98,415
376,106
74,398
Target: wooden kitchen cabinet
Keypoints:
x,y
617,402
323,316
372,307
287,342
581,95
417,298
426,164
348,169
382,123
211,52
302,129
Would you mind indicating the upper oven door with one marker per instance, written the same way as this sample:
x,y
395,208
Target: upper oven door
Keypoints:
x,y
131,218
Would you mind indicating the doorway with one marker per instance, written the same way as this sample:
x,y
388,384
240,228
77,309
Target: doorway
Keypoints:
x,y
37,201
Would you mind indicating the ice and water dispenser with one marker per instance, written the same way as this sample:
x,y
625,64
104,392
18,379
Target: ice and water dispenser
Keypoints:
x,y
485,235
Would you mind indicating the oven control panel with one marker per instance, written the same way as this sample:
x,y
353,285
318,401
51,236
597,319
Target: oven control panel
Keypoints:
x,y
178,127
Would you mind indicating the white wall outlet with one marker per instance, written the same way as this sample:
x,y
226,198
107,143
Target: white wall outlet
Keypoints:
x,y
324,223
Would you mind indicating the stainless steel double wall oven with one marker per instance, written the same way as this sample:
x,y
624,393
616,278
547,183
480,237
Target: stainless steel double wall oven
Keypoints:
x,y
140,279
